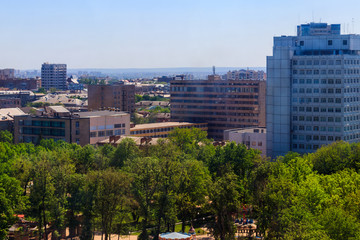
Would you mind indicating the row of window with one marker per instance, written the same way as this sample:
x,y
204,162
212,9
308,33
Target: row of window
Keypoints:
x,y
234,114
107,133
317,81
324,62
215,89
316,119
168,129
317,71
42,131
316,109
318,90
217,101
316,128
110,126
317,100
42,123
315,138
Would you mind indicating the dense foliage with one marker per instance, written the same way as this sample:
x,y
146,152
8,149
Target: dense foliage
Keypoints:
x,y
182,179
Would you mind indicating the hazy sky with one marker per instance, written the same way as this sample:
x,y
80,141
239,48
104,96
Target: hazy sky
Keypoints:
x,y
156,33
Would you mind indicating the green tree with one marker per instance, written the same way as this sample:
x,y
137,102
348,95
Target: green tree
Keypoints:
x,y
127,149
6,136
224,199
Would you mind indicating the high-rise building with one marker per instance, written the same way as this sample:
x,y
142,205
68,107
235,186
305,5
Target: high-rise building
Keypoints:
x,y
53,76
120,97
312,89
223,104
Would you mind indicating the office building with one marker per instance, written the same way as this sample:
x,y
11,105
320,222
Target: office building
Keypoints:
x,y
57,123
251,137
7,73
223,104
120,97
53,76
312,89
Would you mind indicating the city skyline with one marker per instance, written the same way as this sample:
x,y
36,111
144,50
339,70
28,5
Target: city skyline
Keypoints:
x,y
156,34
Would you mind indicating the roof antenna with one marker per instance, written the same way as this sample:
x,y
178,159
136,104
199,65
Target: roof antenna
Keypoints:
x,y
214,70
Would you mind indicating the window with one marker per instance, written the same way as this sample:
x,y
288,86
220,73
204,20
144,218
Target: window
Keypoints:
x,y
109,133
93,134
117,126
101,133
316,81
77,124
345,42
301,43
77,132
330,42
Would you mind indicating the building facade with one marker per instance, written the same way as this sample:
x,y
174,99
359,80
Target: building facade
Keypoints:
x,y
120,97
251,137
53,76
162,130
21,83
312,89
223,104
81,128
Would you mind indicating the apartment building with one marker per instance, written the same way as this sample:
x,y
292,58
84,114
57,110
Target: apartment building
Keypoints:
x,y
223,104
120,97
53,76
313,89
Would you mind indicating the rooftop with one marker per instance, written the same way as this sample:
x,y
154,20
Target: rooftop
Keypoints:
x,y
161,125
248,130
9,113
100,113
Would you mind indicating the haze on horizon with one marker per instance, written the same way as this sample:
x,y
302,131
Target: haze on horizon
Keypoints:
x,y
156,33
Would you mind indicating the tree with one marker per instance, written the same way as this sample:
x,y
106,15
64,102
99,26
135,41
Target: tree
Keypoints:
x,y
224,199
127,149
111,197
42,90
6,136
146,182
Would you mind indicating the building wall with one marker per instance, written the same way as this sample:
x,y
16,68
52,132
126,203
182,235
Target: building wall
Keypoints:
x,y
223,104
10,103
253,138
53,76
21,84
101,127
313,90
163,131
33,129
121,97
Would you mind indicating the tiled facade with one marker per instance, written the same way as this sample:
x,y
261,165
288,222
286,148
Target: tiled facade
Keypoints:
x,y
313,90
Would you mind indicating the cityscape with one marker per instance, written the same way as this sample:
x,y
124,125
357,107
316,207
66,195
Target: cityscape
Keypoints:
x,y
181,146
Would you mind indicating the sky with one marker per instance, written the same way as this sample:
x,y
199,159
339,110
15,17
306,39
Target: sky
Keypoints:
x,y
156,33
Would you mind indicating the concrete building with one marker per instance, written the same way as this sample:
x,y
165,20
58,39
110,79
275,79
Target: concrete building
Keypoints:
x,y
162,130
57,123
21,83
251,137
7,73
25,96
312,89
121,97
53,76
10,103
7,118
223,104
245,74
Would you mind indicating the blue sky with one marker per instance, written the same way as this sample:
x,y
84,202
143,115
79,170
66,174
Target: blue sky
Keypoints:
x,y
156,33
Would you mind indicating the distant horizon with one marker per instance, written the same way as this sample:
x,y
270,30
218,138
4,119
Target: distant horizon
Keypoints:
x,y
156,34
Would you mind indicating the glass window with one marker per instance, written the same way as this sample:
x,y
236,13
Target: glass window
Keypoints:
x,y
93,134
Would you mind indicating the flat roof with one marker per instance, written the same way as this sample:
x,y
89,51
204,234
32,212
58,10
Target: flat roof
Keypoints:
x,y
101,113
248,130
9,113
161,125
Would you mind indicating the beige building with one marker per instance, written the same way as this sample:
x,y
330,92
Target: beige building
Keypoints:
x,y
161,130
58,123
251,137
120,97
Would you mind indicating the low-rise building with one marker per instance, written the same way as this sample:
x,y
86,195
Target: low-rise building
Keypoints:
x,y
162,130
251,137
7,118
82,128
25,96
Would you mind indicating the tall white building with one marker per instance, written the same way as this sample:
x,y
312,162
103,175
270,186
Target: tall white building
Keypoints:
x,y
53,76
313,87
